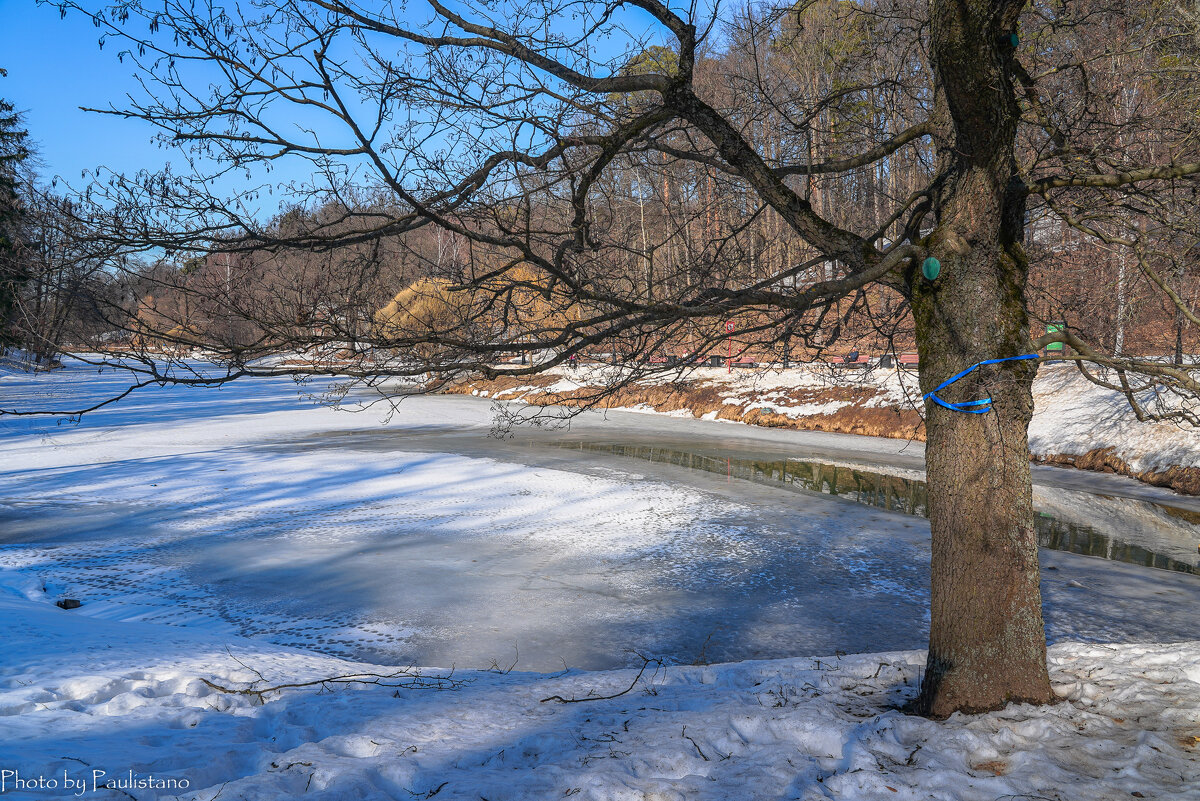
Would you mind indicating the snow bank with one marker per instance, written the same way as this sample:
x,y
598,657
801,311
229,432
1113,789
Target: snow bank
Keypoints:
x,y
81,695
1073,416
15,361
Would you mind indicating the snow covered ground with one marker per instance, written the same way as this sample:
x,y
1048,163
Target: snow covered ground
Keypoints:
x,y
80,695
224,534
1074,416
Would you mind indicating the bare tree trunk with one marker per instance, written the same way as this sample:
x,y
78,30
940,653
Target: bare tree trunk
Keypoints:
x,y
1179,323
1122,303
647,260
987,641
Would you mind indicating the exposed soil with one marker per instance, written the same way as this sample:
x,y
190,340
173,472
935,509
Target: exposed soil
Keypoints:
x,y
704,398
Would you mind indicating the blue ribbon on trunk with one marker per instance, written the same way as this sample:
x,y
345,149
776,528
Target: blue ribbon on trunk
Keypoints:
x,y
982,406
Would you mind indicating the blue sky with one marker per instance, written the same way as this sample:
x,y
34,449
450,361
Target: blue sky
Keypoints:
x,y
54,67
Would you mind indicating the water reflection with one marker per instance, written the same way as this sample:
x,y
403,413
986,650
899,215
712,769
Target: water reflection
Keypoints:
x,y
909,496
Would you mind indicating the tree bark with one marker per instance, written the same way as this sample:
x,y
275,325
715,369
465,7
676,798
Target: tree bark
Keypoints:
x,y
987,640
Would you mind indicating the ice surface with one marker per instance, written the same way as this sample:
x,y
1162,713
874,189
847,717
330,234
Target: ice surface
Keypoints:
x,y
251,510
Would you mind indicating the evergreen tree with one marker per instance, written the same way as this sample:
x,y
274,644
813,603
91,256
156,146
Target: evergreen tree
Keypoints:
x,y
13,151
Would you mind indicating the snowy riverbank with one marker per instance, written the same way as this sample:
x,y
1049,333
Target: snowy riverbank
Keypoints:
x,y
1076,423
219,535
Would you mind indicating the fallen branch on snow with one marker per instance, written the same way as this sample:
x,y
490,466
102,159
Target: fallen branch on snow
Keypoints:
x,y
646,662
406,679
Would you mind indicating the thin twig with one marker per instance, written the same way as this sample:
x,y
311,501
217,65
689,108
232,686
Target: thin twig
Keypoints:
x,y
410,680
647,661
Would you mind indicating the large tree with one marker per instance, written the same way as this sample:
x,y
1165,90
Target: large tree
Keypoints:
x,y
618,175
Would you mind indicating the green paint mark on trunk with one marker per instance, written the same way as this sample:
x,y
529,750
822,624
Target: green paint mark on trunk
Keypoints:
x,y
931,268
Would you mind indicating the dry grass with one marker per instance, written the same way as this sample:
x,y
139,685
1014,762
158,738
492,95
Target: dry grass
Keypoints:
x,y
703,398
996,767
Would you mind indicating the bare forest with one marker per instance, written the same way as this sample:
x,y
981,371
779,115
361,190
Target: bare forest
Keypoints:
x,y
837,92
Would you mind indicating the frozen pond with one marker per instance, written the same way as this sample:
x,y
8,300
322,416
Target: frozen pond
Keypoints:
x,y
428,541
1148,533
